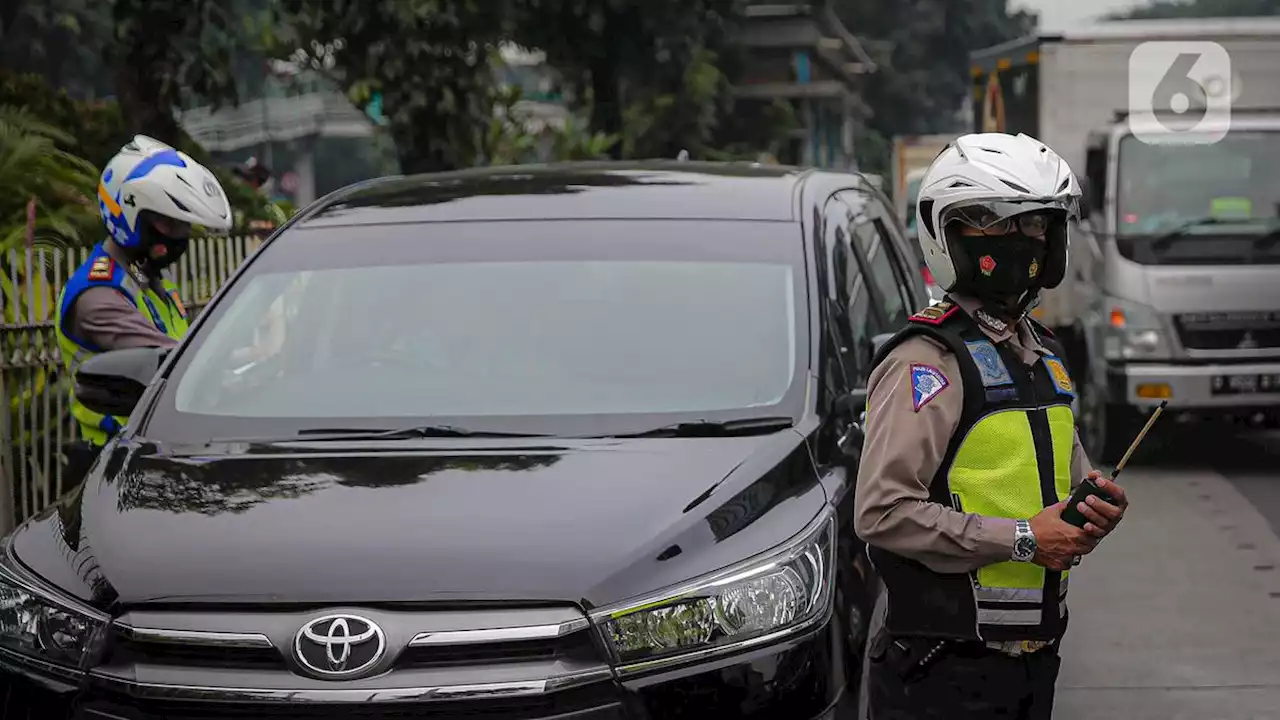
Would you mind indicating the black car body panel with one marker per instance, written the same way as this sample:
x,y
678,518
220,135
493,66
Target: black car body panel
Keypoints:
x,y
213,557
592,522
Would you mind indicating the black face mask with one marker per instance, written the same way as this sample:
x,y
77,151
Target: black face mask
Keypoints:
x,y
1005,267
174,247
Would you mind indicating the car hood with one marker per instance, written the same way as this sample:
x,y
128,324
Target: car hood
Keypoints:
x,y
591,522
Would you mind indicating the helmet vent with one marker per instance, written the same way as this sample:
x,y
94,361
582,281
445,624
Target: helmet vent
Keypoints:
x,y
993,150
959,184
1015,186
1065,183
178,202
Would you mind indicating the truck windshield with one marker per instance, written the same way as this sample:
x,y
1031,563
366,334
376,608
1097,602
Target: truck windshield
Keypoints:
x,y
1200,202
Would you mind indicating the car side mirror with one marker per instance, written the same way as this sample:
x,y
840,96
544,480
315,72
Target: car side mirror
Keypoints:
x,y
852,409
112,383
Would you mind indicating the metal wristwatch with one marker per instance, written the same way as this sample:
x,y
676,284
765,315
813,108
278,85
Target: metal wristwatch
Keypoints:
x,y
1024,542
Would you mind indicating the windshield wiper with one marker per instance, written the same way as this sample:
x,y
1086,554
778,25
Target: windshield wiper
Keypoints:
x,y
714,428
405,433
1164,240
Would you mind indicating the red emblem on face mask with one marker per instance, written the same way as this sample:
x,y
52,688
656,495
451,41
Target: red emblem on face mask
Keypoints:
x,y
986,264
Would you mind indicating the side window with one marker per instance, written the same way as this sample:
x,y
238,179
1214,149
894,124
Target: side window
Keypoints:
x,y
858,317
885,277
906,269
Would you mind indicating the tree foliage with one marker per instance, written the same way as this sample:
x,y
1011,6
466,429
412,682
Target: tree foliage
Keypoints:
x,y
922,48
647,60
429,60
163,49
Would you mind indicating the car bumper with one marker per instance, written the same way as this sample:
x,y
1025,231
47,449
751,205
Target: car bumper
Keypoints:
x,y
1189,387
800,678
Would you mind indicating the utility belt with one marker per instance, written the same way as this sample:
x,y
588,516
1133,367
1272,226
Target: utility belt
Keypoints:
x,y
1020,647
912,657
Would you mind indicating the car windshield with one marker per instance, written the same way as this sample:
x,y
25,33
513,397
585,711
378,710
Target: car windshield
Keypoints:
x,y
544,327
1235,181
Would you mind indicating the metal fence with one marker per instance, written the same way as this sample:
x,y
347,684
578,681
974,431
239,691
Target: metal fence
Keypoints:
x,y
33,384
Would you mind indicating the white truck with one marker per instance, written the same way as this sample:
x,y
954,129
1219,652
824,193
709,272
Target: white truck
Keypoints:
x,y
1173,288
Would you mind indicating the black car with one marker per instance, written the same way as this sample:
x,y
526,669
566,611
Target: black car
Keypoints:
x,y
565,442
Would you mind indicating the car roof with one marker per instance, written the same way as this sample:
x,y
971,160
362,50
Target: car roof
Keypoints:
x,y
672,190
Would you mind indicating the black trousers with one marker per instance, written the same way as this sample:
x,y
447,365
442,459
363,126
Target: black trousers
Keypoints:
x,y
960,681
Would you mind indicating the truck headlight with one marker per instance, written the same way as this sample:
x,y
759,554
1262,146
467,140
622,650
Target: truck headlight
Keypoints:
x,y
753,603
1132,331
36,625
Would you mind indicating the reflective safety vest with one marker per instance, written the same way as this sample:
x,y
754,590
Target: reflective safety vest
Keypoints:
x,y
165,312
1010,457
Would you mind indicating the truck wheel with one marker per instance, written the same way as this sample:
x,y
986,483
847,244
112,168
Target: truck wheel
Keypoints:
x,y
1107,430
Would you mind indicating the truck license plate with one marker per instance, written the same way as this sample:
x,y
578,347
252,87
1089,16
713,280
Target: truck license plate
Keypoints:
x,y
1246,384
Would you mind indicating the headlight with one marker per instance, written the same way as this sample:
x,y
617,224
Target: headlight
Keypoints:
x,y
750,604
38,626
1132,332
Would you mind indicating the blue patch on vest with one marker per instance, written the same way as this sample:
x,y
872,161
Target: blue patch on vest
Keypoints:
x,y
990,365
1059,375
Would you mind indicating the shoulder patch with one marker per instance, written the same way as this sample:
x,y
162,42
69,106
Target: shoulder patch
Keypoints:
x,y
927,382
936,313
991,366
1058,373
103,268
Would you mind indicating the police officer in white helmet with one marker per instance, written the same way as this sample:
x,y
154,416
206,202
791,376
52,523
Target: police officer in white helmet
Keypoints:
x,y
971,451
150,195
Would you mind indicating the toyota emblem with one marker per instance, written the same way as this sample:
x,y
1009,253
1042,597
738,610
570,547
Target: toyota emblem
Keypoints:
x,y
339,647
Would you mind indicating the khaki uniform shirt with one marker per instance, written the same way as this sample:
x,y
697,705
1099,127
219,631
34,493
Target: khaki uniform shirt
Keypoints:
x,y
904,450
105,317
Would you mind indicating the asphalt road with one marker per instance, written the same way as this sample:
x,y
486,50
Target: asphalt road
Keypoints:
x,y
1177,615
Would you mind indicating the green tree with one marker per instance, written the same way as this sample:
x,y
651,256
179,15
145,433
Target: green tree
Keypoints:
x,y
1201,8
922,48
429,60
163,51
61,40
654,60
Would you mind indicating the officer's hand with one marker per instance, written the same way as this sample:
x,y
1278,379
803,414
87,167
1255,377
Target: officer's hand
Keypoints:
x,y
1057,541
1103,516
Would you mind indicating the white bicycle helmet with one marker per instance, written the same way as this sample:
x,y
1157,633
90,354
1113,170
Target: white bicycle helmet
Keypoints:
x,y
148,175
985,178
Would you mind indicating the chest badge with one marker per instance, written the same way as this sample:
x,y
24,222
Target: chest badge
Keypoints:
x,y
1059,375
927,382
990,365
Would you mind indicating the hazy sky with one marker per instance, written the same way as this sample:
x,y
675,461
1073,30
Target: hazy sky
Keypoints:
x,y
1061,14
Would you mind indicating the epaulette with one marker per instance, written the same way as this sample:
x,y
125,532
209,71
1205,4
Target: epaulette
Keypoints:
x,y
103,268
936,313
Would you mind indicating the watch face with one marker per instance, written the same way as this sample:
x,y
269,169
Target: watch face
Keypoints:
x,y
1025,547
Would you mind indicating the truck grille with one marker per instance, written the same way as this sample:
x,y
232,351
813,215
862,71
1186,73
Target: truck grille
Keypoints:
x,y
1229,330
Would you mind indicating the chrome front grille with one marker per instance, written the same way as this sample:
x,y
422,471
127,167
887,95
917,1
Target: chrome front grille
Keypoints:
x,y
1252,330
477,656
